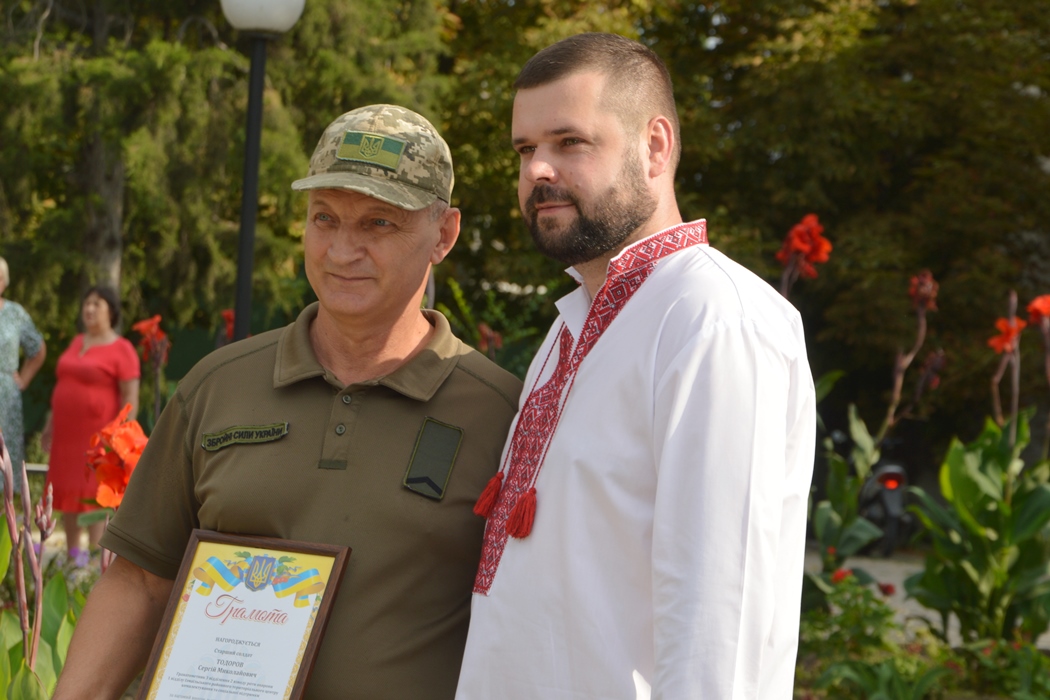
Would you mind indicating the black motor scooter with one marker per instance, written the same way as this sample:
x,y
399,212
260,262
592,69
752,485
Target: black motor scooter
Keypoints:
x,y
882,500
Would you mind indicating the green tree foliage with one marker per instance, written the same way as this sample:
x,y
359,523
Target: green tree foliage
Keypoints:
x,y
342,55
122,130
918,130
161,106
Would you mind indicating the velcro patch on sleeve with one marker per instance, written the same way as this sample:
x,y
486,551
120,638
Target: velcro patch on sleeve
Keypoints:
x,y
431,465
243,435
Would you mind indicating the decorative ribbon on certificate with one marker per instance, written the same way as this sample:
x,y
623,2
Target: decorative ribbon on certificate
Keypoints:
x,y
258,572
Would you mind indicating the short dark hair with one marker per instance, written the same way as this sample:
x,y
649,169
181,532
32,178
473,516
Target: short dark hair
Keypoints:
x,y
638,83
108,295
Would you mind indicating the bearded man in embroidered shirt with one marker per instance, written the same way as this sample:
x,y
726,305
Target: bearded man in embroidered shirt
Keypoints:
x,y
645,535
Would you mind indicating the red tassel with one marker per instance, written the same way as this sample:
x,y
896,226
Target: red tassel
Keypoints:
x,y
487,500
519,524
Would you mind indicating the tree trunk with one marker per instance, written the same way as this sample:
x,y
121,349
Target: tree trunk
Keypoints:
x,y
102,177
6,232
102,181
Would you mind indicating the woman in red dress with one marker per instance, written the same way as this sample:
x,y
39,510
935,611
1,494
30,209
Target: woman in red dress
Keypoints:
x,y
96,375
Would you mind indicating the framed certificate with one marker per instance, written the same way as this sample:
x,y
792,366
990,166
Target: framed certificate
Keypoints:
x,y
245,618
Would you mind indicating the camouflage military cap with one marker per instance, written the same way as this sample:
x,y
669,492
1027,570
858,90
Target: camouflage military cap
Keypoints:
x,y
384,151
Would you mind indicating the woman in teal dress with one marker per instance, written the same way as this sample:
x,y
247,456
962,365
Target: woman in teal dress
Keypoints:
x,y
16,331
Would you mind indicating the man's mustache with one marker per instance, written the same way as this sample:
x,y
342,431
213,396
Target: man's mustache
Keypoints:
x,y
548,193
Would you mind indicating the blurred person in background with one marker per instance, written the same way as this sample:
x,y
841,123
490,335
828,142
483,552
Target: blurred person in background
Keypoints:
x,y
16,332
96,376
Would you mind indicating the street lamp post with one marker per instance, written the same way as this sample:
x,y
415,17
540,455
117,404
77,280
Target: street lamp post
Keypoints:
x,y
262,20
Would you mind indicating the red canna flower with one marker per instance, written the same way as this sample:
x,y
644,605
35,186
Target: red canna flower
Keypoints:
x,y
805,245
831,551
1039,309
149,327
227,316
112,482
841,575
488,338
923,291
114,454
1009,331
154,341
930,378
887,589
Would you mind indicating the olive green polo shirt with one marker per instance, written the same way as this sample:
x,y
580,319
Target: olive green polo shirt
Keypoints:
x,y
260,440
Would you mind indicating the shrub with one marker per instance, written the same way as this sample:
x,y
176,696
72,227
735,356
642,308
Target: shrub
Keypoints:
x,y
988,565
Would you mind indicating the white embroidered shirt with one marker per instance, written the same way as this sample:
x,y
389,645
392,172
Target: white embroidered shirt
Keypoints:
x,y
665,560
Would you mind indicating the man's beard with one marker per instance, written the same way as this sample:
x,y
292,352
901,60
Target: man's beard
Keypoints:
x,y
617,214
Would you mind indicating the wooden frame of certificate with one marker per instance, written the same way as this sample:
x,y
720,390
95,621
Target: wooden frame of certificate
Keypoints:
x,y
245,618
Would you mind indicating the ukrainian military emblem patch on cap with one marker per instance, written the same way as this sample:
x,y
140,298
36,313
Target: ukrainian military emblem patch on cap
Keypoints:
x,y
374,149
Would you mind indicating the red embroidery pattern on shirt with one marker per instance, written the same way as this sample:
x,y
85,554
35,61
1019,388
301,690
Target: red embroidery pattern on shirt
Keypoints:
x,y
542,410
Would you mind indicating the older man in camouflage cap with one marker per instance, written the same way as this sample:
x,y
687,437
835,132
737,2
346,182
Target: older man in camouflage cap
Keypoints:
x,y
379,427
384,151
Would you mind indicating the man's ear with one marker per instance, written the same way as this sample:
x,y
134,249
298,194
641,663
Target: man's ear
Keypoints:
x,y
449,234
660,136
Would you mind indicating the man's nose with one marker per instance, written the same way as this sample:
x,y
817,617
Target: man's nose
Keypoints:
x,y
348,245
539,168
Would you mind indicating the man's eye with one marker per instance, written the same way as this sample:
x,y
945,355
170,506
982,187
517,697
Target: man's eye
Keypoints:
x,y
522,150
381,222
572,141
321,216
